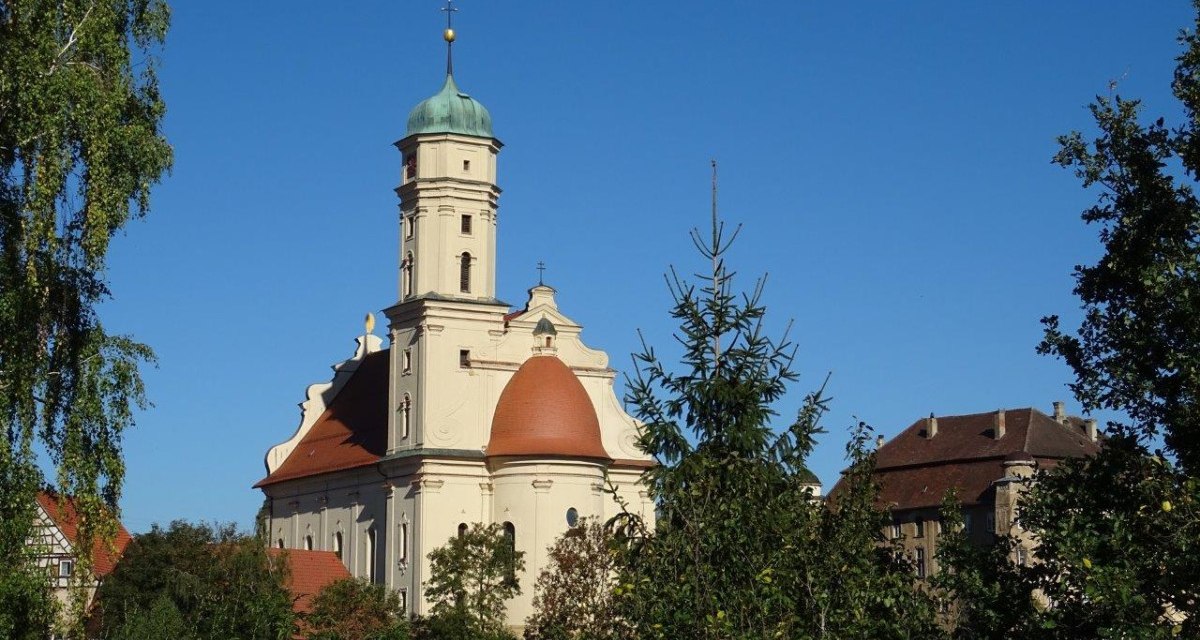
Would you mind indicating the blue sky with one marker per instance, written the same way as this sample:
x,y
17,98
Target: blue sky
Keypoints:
x,y
890,163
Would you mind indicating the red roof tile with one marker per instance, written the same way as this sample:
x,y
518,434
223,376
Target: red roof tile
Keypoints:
x,y
351,433
309,572
64,515
544,410
970,437
916,471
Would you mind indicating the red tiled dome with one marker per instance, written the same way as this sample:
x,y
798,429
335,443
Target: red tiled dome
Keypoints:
x,y
544,410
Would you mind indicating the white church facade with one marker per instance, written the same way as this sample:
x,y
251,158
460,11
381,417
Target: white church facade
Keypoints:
x,y
472,412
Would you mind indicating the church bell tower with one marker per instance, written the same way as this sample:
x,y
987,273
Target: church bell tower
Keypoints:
x,y
447,315
448,196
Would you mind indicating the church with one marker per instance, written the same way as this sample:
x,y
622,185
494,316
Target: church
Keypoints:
x,y
472,411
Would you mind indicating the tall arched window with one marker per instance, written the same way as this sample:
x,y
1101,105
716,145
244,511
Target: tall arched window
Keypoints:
x,y
464,273
308,543
462,529
279,543
408,274
369,552
402,543
405,416
510,538
337,544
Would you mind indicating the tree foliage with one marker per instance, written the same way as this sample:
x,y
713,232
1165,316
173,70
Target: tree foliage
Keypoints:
x,y
1116,532
741,548
80,146
574,596
470,579
209,580
354,609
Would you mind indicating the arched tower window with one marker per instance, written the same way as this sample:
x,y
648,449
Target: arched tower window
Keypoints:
x,y
369,552
402,543
462,529
464,273
510,539
337,544
308,543
279,543
408,274
405,416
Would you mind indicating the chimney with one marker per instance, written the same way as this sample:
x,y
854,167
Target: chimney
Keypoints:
x,y
1060,414
931,426
998,424
878,441
1090,426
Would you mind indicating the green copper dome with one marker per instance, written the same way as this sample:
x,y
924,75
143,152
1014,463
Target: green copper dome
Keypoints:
x,y
450,111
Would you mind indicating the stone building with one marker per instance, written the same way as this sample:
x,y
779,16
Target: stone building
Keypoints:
x,y
472,412
984,457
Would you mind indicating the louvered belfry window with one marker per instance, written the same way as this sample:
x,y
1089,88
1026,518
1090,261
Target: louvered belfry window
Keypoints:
x,y
464,273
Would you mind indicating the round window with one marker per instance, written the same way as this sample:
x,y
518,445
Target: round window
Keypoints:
x,y
572,517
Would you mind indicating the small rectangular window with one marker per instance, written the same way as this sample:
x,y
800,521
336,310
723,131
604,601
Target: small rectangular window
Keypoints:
x,y
967,523
66,568
919,526
466,165
1022,556
465,225
991,522
410,222
464,358
407,361
404,602
897,531
919,558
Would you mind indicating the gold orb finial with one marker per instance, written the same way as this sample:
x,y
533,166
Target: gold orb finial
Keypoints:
x,y
448,35
370,323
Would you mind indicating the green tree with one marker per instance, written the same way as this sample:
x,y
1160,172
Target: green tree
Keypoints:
x,y
741,548
574,596
470,579
354,609
28,609
80,146
1116,532
217,583
986,592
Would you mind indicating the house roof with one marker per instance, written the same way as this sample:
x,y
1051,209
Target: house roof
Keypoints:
x,y
916,471
308,573
544,410
352,432
65,516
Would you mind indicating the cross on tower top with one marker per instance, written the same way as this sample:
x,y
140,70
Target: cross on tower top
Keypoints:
x,y
448,35
541,272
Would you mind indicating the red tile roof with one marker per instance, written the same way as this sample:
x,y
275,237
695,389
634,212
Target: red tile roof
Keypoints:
x,y
309,572
64,515
351,433
915,471
544,410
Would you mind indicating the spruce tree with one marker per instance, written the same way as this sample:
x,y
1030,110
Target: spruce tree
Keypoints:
x,y
742,548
